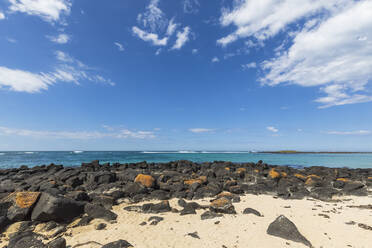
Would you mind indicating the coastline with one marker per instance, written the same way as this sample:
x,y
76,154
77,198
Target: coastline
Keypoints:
x,y
65,204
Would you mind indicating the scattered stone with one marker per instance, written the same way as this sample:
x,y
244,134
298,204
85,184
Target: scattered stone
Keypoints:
x,y
143,223
364,226
118,244
252,211
194,235
84,221
155,220
100,226
350,223
26,240
210,215
286,229
324,215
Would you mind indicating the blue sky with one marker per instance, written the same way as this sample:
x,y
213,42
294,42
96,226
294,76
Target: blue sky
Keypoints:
x,y
185,75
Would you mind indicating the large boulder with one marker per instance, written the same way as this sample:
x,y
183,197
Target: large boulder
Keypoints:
x,y
20,205
286,229
58,209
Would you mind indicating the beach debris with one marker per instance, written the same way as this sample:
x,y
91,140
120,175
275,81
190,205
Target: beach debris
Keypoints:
x,y
282,227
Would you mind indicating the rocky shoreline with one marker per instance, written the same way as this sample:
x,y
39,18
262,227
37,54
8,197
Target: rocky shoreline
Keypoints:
x,y
39,204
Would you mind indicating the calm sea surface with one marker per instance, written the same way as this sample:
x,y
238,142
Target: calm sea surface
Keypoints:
x,y
75,158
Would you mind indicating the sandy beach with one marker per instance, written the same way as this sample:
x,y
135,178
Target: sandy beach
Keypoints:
x,y
240,230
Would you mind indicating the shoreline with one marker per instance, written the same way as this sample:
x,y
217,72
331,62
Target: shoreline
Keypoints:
x,y
44,200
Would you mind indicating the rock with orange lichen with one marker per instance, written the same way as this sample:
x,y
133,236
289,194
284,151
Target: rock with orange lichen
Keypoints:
x,y
200,180
20,205
146,180
222,205
300,176
343,179
273,174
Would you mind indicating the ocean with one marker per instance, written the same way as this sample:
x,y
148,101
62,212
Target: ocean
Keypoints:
x,y
75,158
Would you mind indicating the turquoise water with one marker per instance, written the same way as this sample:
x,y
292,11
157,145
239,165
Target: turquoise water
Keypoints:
x,y
75,158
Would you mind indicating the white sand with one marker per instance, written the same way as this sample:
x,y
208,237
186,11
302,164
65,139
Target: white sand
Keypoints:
x,y
248,231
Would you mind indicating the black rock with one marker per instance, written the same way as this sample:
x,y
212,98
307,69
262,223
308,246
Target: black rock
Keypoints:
x,y
160,207
59,209
84,221
118,244
286,229
155,220
101,226
26,240
57,243
194,235
99,212
210,215
251,211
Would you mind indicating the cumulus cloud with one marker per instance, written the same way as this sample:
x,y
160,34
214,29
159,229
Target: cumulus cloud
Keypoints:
x,y
150,37
215,60
201,130
60,39
263,19
191,6
153,18
272,129
332,56
357,132
2,16
118,134
172,26
182,38
48,10
120,46
327,44
68,70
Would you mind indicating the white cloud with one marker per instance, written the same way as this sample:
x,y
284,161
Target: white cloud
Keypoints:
x,y
272,129
194,51
215,60
120,46
69,70
153,18
60,39
172,26
201,130
49,10
330,55
118,134
2,16
249,66
191,6
263,19
182,38
358,132
150,37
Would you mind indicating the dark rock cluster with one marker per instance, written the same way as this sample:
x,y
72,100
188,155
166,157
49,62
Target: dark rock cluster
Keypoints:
x,y
61,194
